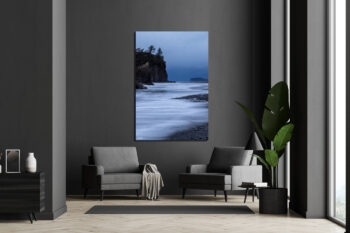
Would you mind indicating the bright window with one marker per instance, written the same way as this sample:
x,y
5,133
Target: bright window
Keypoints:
x,y
337,110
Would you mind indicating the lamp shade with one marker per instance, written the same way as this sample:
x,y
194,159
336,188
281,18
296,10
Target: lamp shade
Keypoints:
x,y
254,142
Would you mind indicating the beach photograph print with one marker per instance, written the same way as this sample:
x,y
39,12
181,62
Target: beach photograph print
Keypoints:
x,y
171,85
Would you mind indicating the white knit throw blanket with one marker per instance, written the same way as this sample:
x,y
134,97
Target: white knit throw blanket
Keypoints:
x,y
152,182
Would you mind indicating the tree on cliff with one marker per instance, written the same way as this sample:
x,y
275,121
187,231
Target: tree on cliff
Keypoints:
x,y
151,49
160,53
150,67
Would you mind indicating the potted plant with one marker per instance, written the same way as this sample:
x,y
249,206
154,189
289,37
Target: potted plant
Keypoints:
x,y
275,132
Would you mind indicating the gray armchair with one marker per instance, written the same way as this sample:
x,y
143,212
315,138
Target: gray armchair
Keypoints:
x,y
227,169
112,168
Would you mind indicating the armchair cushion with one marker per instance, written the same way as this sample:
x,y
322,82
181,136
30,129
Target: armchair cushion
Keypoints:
x,y
205,178
224,157
197,168
245,174
121,178
116,159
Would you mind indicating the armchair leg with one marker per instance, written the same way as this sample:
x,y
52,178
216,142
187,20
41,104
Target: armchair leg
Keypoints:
x,y
253,194
137,193
101,195
215,193
34,217
225,193
85,192
30,218
246,193
183,193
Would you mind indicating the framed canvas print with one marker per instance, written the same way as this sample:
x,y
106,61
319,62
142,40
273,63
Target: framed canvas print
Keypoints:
x,y
171,85
12,160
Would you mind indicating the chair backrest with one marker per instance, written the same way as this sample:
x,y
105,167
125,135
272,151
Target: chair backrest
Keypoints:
x,y
116,159
224,157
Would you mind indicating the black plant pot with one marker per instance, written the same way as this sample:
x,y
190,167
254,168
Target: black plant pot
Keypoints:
x,y
273,201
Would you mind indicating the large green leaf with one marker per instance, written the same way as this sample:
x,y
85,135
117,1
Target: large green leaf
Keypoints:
x,y
255,123
282,137
263,162
276,112
271,157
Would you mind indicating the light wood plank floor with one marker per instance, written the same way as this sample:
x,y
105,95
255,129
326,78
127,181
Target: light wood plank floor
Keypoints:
x,y
75,221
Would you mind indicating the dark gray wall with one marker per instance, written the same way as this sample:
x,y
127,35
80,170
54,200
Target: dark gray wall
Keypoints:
x,y
298,95
261,48
261,67
100,88
26,86
309,108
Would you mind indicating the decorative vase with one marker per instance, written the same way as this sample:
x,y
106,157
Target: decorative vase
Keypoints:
x,y
31,163
273,201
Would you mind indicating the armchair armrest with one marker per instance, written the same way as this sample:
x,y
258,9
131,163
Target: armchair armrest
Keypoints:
x,y
241,174
91,175
197,168
141,167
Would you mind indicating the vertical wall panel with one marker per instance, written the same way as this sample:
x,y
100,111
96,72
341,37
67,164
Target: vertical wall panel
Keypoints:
x,y
26,86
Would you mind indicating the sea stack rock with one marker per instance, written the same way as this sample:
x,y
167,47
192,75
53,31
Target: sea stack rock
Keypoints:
x,y
149,68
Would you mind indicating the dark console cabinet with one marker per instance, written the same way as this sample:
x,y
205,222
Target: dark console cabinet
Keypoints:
x,y
22,193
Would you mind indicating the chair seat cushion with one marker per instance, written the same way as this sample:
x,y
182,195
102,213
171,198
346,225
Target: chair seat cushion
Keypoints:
x,y
205,178
121,178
